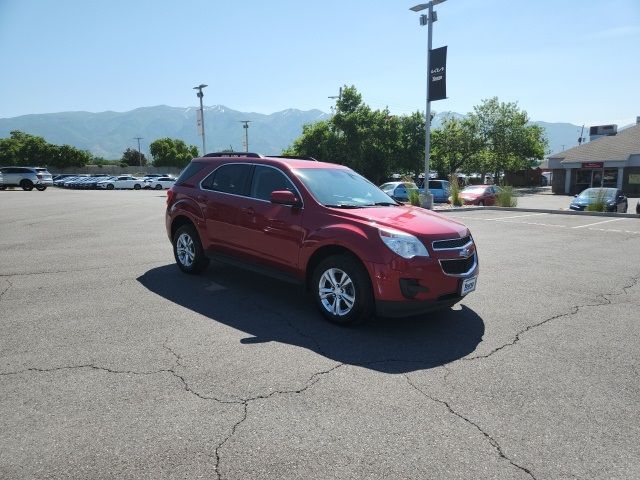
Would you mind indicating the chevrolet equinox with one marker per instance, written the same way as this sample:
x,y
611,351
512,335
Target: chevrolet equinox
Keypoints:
x,y
358,251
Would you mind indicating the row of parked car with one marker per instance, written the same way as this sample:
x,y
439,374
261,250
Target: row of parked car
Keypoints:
x,y
441,191
108,182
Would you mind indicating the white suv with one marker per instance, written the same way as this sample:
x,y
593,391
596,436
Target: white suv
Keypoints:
x,y
25,178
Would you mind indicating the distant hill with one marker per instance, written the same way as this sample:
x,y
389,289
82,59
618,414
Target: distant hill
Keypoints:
x,y
108,134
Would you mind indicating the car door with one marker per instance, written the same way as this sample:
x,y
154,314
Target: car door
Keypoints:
x,y
400,193
272,233
490,196
222,198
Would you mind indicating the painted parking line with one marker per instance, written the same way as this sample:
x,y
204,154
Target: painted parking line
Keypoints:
x,y
517,216
598,223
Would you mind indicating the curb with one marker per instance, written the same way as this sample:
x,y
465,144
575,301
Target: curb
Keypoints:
x,y
541,210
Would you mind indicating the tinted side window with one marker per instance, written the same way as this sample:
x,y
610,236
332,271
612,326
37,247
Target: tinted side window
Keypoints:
x,y
267,180
435,185
232,178
190,171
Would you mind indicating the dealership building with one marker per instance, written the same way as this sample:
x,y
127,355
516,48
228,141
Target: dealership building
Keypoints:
x,y
610,159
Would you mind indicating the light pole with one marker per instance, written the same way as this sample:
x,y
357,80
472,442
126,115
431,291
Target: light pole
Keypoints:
x,y
201,118
139,153
428,21
245,125
336,97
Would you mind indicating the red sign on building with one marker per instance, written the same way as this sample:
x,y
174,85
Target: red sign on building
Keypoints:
x,y
593,165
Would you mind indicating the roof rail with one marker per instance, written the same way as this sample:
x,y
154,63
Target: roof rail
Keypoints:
x,y
233,154
293,157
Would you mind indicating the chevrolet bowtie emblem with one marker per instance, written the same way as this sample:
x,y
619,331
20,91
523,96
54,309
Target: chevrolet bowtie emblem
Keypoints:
x,y
464,252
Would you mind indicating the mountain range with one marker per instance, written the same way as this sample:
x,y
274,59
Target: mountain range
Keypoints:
x,y
108,134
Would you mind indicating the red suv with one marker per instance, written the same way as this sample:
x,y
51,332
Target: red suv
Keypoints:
x,y
323,225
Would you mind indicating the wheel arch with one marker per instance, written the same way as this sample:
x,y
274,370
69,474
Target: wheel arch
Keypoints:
x,y
326,251
178,222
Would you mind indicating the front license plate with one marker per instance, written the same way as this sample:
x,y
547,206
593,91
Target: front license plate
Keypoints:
x,y
468,285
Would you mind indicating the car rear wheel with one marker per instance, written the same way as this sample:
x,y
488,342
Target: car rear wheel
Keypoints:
x,y
481,203
110,186
41,188
158,187
342,290
188,251
26,185
137,186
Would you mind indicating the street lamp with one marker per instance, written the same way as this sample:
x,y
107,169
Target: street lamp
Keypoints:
x,y
245,125
201,117
139,153
428,21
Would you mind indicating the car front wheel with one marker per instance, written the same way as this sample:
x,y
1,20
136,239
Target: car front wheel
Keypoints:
x,y
188,250
26,185
342,290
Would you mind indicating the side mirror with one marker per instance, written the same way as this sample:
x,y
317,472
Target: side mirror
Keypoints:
x,y
285,197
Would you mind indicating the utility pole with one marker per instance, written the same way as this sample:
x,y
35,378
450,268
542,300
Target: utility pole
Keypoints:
x,y
581,138
245,125
336,97
139,153
201,116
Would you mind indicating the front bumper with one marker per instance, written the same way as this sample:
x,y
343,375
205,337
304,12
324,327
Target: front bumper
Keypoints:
x,y
408,308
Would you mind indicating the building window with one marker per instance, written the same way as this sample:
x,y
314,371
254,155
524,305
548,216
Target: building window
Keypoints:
x,y
610,179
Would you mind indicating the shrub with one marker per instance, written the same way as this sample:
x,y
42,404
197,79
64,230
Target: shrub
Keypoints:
x,y
506,197
598,203
456,201
414,198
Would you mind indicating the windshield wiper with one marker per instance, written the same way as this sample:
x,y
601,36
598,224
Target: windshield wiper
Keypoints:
x,y
343,205
384,204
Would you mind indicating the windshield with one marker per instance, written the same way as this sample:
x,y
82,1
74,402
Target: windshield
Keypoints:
x,y
335,187
594,193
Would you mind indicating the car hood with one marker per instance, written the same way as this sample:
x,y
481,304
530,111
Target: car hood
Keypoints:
x,y
415,220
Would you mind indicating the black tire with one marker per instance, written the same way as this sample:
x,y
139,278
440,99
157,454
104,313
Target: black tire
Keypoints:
x,y
26,185
41,188
359,289
110,186
158,187
199,262
481,203
3,187
137,186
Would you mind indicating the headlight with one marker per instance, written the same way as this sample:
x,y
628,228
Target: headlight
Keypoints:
x,y
402,243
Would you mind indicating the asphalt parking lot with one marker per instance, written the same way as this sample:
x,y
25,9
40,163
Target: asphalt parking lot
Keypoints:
x,y
113,364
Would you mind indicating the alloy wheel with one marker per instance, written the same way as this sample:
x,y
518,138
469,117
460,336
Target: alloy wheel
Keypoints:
x,y
186,250
337,292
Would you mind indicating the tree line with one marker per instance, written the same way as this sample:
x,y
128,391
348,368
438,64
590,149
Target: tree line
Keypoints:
x,y
22,148
495,137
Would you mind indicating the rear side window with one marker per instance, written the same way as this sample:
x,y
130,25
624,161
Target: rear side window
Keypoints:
x,y
231,178
435,185
190,171
267,180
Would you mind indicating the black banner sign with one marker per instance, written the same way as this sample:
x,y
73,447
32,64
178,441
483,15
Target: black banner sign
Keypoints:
x,y
438,74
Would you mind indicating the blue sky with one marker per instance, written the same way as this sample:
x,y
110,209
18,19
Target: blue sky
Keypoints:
x,y
568,60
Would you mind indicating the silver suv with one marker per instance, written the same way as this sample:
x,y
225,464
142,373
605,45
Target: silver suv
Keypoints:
x,y
25,178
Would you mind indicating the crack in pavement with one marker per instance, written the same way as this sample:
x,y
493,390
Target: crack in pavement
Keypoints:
x,y
494,443
6,289
574,310
315,378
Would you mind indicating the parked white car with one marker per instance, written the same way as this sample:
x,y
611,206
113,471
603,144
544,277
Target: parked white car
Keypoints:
x,y
123,181
159,183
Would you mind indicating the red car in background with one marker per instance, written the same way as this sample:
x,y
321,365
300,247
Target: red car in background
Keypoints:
x,y
479,195
358,251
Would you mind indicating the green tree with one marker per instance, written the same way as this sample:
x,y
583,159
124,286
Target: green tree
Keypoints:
x,y
133,158
26,149
509,142
357,136
169,152
455,146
